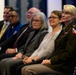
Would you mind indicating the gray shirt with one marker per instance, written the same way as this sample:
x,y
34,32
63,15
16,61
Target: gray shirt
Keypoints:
x,y
47,46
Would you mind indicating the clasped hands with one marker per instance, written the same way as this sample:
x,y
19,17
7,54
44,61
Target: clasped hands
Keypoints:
x,y
27,60
18,56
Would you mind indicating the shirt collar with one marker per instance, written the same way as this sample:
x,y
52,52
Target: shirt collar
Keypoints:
x,y
7,23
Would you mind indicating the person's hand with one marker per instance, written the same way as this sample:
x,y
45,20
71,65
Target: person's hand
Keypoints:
x,y
45,62
14,58
18,56
10,50
27,60
24,60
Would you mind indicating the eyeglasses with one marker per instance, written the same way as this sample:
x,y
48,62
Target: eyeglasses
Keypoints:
x,y
29,12
6,12
66,12
36,20
52,17
13,16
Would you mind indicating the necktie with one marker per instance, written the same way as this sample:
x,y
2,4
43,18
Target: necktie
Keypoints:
x,y
15,44
3,30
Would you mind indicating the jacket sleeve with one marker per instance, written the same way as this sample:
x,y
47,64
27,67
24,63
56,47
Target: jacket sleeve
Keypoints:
x,y
8,43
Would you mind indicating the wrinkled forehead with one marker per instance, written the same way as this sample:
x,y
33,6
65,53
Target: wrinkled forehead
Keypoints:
x,y
13,13
33,10
7,9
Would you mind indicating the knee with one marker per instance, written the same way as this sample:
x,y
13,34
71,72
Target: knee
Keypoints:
x,y
23,70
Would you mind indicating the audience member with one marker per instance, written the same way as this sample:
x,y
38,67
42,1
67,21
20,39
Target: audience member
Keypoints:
x,y
15,25
4,24
40,27
63,59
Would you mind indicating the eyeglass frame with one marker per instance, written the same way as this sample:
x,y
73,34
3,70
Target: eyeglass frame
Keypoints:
x,y
29,12
35,20
53,17
13,16
66,12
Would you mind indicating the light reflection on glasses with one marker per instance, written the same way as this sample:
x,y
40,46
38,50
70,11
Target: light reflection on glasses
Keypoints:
x,y
29,13
66,12
13,16
52,17
36,20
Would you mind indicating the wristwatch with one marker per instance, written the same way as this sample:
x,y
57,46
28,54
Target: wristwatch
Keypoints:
x,y
33,60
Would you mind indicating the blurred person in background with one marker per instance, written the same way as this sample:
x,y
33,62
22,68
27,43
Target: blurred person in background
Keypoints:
x,y
4,24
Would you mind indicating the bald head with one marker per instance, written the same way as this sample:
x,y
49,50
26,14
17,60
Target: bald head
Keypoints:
x,y
30,12
34,9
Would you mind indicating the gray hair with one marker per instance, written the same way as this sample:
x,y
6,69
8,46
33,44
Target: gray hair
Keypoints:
x,y
43,19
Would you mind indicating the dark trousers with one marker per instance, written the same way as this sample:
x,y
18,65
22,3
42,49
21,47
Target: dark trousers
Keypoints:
x,y
15,69
3,55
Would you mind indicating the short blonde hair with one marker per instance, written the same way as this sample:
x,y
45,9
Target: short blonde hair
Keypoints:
x,y
70,8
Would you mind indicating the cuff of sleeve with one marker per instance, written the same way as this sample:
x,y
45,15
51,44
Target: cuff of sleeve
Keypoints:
x,y
0,48
16,50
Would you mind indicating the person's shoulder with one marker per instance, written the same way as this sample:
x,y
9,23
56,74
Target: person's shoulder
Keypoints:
x,y
23,27
2,21
26,24
44,31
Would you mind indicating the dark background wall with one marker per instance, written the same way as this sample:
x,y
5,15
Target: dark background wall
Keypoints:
x,y
73,2
23,5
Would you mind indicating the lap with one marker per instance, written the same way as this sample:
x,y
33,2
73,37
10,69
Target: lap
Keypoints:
x,y
18,69
2,56
40,69
10,61
37,68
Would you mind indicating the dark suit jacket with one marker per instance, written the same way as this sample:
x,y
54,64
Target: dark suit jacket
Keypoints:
x,y
32,45
1,24
64,57
9,43
5,33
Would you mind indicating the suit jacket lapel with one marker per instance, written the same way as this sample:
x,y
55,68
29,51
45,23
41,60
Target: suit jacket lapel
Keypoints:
x,y
35,37
65,30
1,24
30,36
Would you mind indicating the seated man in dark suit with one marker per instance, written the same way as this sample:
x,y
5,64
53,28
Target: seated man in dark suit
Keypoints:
x,y
4,24
14,26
